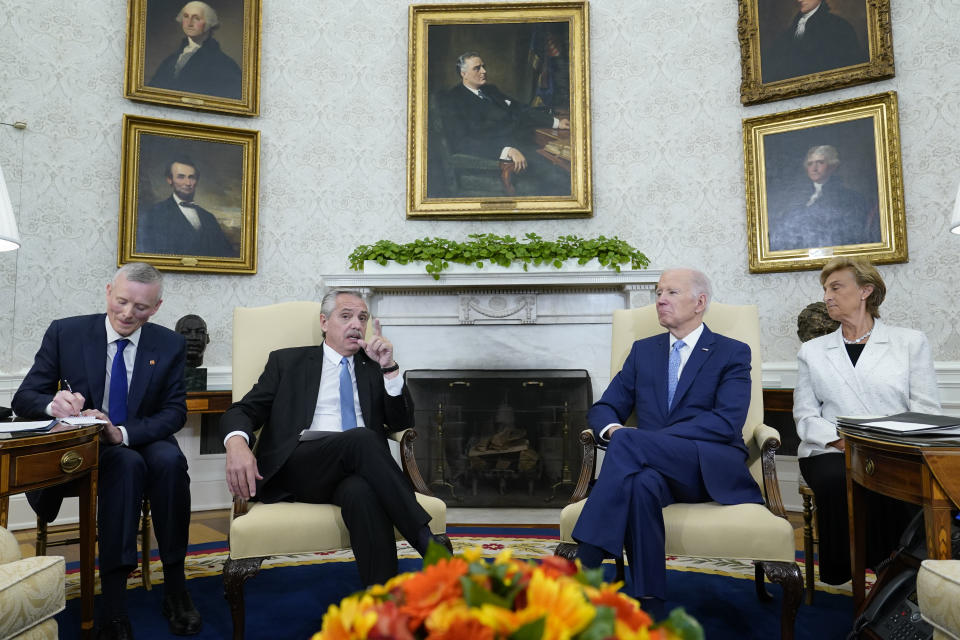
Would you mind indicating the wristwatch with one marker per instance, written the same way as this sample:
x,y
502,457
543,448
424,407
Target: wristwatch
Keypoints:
x,y
391,368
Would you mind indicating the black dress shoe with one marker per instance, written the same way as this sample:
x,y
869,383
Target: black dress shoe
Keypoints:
x,y
115,629
182,616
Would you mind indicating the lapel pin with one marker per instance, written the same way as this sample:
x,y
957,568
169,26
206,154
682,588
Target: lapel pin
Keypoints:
x,y
153,362
705,348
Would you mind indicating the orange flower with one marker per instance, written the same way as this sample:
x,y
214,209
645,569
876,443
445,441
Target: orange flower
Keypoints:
x,y
627,609
436,584
554,566
455,621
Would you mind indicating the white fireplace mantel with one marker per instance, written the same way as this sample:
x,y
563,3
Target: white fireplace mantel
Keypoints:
x,y
466,295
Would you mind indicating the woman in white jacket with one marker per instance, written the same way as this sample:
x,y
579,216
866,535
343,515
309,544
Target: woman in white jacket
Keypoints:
x,y
864,368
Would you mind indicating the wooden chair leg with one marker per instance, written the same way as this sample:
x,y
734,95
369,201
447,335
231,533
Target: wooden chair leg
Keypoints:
x,y
41,544
235,574
145,527
787,575
808,546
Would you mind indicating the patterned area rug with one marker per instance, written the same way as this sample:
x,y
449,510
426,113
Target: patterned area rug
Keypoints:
x,y
204,562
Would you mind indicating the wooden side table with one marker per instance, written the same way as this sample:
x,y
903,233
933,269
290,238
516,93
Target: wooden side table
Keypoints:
x,y
924,472
65,454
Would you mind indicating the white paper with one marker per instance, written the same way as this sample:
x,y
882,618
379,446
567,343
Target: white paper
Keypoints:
x,y
16,427
82,421
908,427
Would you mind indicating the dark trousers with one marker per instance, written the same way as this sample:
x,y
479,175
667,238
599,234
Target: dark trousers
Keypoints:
x,y
355,471
642,472
886,518
158,471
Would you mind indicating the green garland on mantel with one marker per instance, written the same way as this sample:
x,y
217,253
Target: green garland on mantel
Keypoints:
x,y
481,248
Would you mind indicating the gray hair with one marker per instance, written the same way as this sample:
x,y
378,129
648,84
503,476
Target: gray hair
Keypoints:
x,y
462,60
210,16
699,284
828,152
143,273
328,303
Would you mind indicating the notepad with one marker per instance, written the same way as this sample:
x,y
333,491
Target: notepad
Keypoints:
x,y
38,426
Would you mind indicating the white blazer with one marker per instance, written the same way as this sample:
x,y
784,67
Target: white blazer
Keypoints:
x,y
893,374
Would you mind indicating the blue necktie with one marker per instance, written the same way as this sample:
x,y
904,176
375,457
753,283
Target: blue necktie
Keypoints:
x,y
673,371
348,415
118,386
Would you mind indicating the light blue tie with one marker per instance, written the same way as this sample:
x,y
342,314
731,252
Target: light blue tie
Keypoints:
x,y
673,371
348,415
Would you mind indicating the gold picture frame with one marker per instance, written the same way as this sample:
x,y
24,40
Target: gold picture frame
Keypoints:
x,y
851,149
165,165
537,57
842,43
163,67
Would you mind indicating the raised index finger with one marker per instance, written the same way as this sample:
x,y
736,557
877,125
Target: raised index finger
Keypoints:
x,y
376,327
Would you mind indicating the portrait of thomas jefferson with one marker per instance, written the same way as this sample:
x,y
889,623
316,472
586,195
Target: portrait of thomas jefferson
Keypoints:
x,y
819,210
193,59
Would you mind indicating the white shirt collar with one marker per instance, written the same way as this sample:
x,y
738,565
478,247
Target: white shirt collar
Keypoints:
x,y
691,339
332,357
113,336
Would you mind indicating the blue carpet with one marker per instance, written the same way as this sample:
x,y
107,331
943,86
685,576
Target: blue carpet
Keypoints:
x,y
289,602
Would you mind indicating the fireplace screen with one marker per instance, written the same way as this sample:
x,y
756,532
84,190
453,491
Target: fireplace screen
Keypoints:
x,y
501,438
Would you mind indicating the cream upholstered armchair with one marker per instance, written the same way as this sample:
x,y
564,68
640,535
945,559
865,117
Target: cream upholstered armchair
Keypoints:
x,y
258,530
938,592
758,532
31,592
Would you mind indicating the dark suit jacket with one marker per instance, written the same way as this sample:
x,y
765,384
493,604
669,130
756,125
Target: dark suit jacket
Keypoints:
x,y
75,349
828,42
285,397
710,406
163,229
484,127
209,71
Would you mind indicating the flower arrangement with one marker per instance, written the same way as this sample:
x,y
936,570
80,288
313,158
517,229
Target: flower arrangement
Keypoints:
x,y
481,248
465,598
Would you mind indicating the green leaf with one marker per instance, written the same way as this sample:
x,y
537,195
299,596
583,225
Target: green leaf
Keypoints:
x,y
530,631
435,552
474,595
683,624
601,627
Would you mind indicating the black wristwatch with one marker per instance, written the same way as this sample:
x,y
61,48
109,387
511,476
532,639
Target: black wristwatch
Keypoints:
x,y
390,369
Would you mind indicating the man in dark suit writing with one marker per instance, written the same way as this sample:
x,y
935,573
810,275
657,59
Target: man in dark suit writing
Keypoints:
x,y
119,368
325,412
484,121
690,390
178,225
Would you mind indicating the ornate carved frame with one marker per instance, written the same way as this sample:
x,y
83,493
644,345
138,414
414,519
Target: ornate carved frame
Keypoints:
x,y
879,66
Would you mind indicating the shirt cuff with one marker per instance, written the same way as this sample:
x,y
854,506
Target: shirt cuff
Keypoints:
x,y
606,429
236,433
393,386
123,431
49,409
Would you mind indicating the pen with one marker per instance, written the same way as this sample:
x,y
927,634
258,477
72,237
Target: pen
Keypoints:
x,y
66,383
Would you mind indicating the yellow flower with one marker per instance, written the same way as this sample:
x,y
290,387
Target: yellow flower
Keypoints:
x,y
562,601
472,555
352,620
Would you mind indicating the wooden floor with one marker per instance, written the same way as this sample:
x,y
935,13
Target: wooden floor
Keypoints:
x,y
212,526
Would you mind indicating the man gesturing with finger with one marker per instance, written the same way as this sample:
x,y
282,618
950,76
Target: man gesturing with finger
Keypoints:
x,y
325,411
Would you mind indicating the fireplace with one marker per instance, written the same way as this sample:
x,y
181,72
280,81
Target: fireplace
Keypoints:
x,y
499,438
